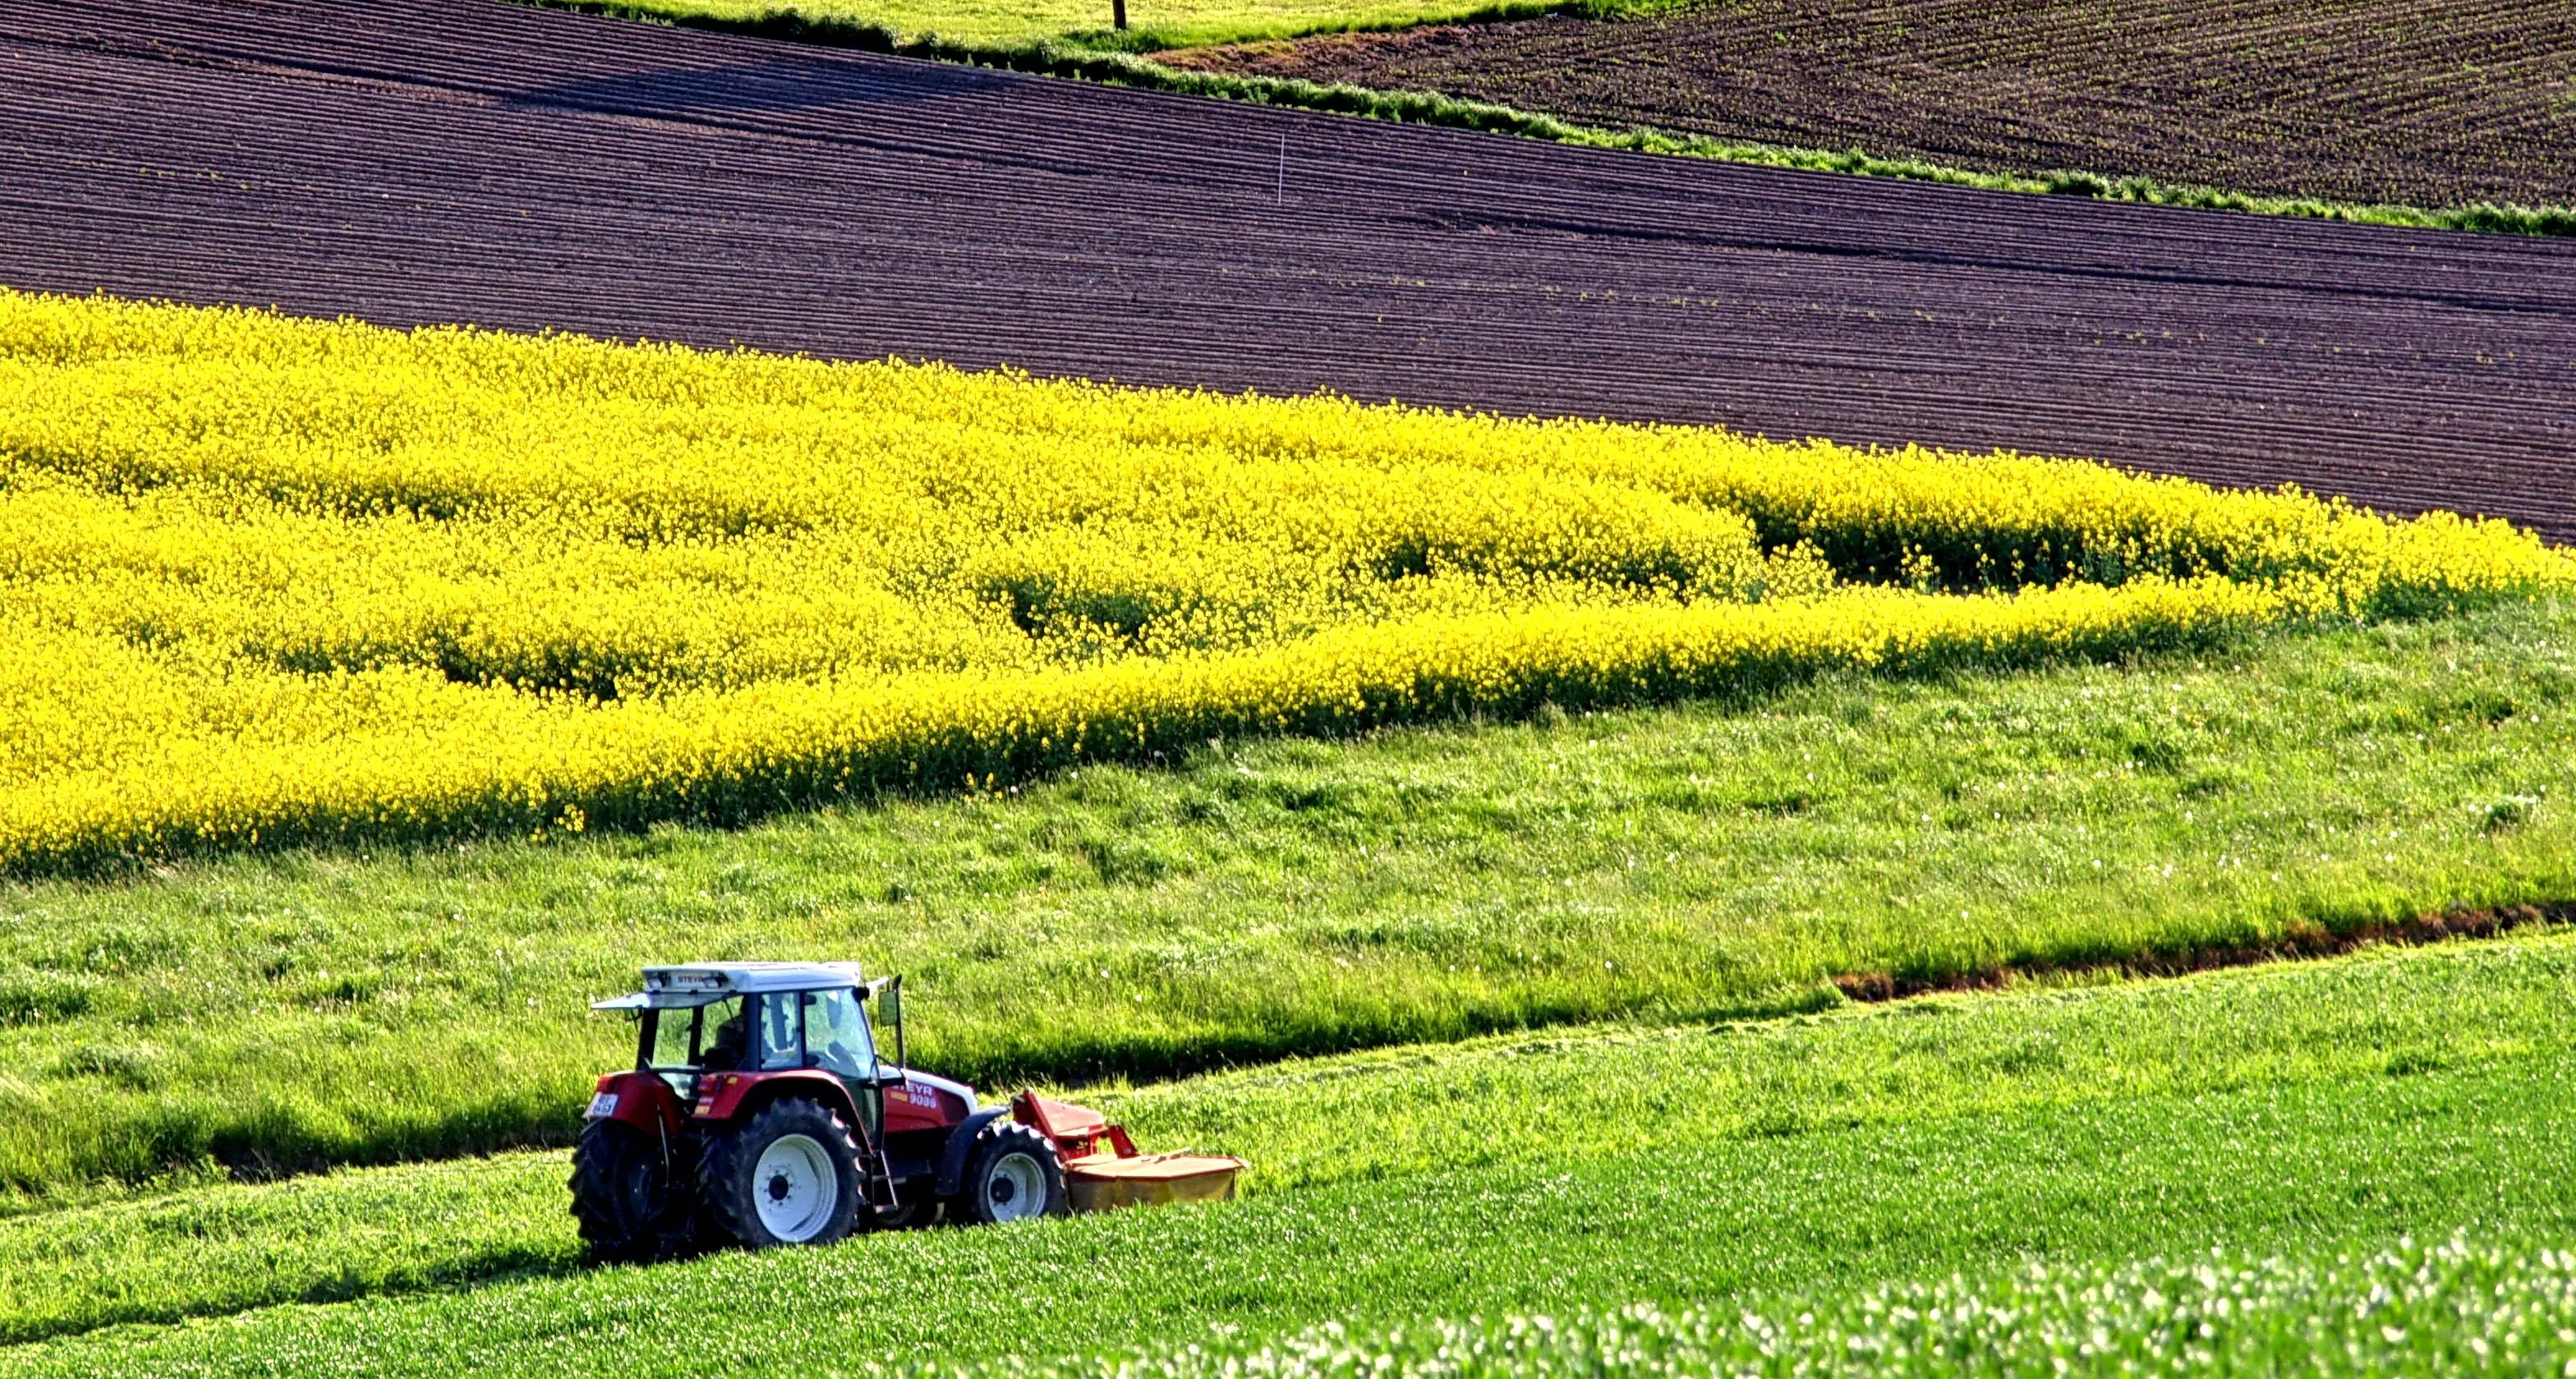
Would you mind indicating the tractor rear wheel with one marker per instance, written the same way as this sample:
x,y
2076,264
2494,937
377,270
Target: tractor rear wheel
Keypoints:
x,y
787,1175
621,1195
1011,1175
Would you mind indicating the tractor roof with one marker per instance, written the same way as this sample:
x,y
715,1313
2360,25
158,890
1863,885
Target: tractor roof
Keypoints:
x,y
700,983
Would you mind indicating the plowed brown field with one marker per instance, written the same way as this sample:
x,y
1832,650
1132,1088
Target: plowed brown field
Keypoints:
x,y
453,160
2420,102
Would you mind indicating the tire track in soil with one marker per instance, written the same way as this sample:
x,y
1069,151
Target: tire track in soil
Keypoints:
x,y
420,161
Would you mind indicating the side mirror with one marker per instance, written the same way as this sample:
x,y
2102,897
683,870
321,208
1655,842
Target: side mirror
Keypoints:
x,y
887,992
894,1013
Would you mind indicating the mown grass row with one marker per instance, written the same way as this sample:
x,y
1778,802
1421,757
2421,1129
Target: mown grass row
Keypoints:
x,y
1270,898
2282,1108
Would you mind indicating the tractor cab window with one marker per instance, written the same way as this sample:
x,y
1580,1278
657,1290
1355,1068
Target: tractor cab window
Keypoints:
x,y
708,1038
780,1046
724,1032
836,1034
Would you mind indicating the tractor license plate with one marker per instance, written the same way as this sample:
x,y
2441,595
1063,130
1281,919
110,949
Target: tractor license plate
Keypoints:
x,y
604,1104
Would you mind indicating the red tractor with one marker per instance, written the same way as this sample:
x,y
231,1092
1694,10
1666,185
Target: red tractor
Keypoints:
x,y
760,1112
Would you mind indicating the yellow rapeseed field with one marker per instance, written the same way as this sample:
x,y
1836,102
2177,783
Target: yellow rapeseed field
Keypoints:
x,y
269,580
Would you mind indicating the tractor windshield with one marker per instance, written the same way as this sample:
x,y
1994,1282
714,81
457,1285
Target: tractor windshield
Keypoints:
x,y
836,1034
816,1029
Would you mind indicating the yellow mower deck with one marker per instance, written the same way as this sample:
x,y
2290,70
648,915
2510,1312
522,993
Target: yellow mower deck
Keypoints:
x,y
1103,1170
1100,1182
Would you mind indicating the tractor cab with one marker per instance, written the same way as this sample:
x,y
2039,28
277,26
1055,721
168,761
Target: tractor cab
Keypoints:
x,y
727,1037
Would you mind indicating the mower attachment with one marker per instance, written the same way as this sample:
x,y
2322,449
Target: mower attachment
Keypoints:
x,y
1103,1170
1099,1182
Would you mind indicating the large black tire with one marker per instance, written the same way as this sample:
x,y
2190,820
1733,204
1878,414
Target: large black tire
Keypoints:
x,y
786,1175
1011,1175
621,1195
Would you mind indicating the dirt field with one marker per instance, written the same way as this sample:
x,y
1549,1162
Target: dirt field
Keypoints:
x,y
451,160
2422,102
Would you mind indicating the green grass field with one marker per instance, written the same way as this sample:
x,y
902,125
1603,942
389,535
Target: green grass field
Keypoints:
x,y
2460,1306
1276,897
2310,1110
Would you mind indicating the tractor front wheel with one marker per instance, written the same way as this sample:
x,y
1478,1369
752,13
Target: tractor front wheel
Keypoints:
x,y
787,1175
1012,1175
621,1194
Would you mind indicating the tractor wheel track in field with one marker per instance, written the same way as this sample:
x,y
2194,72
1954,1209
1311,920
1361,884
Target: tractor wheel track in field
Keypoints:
x,y
420,161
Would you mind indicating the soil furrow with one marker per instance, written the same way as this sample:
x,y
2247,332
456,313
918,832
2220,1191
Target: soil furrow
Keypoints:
x,y
2351,100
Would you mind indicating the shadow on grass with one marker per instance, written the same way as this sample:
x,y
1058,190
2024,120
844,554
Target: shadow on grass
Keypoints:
x,y
2304,941
470,1274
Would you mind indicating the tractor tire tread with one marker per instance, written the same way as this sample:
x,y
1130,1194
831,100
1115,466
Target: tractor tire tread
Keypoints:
x,y
617,1228
998,1139
730,1156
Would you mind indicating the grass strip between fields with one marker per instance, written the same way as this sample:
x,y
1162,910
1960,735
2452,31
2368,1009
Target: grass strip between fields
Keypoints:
x,y
1125,59
2265,1109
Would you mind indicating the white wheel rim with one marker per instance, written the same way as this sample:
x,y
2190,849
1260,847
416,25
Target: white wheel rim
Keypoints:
x,y
795,1188
1015,1189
